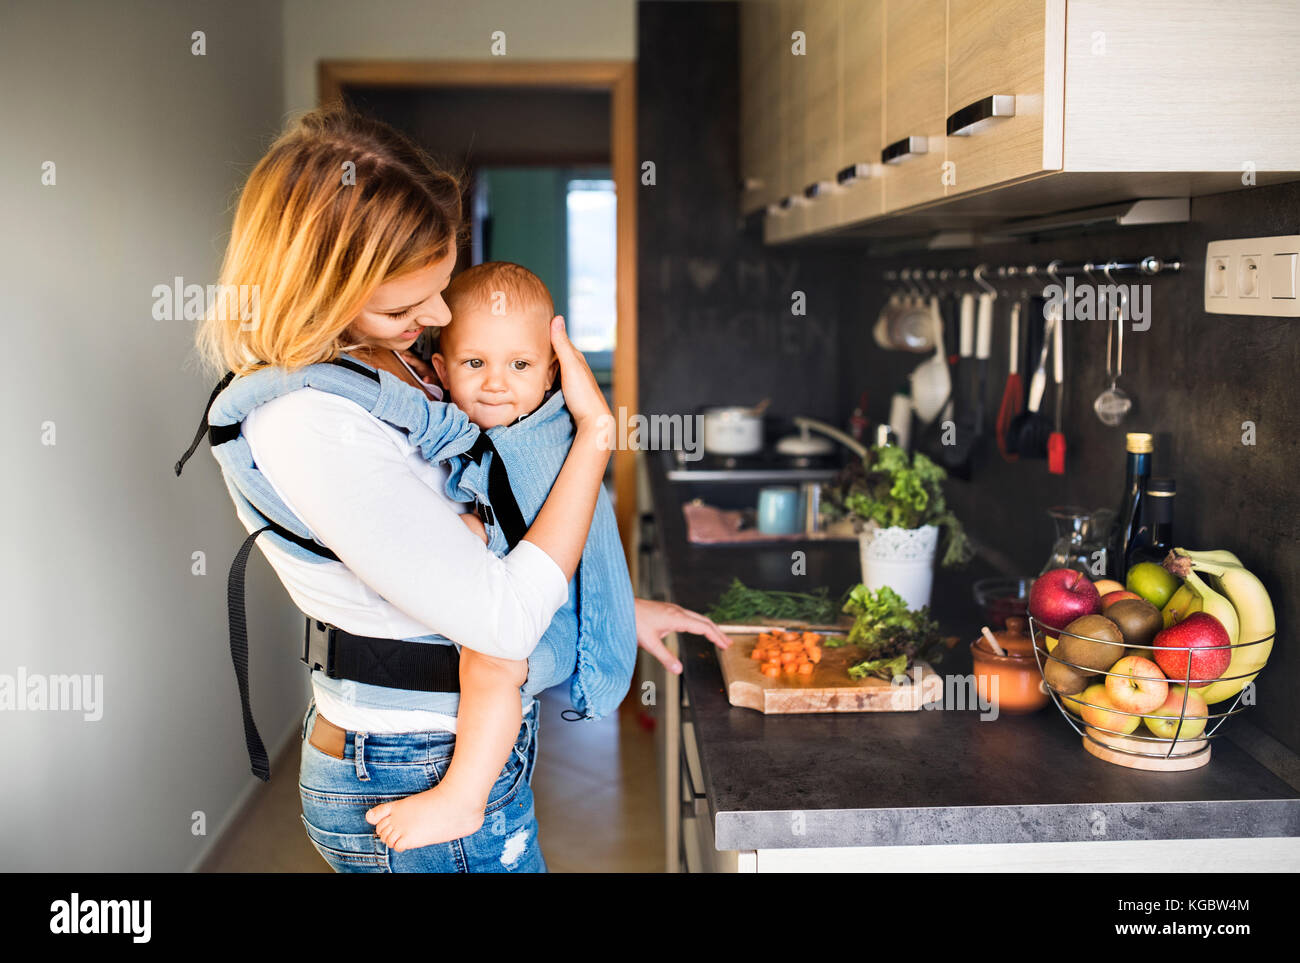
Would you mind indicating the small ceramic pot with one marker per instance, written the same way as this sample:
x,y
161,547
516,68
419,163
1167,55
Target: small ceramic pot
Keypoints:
x,y
1019,683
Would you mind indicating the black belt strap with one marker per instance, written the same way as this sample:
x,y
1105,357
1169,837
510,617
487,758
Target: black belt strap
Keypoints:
x,y
504,506
392,663
237,615
203,422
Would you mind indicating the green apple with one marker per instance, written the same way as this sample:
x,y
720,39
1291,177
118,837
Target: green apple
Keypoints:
x,y
1163,721
1100,712
1152,582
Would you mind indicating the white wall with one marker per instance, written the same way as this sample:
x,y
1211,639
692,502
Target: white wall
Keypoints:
x,y
150,143
448,30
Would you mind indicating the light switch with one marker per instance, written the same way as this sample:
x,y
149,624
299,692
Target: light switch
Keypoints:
x,y
1281,275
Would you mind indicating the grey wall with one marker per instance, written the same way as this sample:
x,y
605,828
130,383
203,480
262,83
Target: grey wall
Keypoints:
x,y
715,317
1196,378
150,143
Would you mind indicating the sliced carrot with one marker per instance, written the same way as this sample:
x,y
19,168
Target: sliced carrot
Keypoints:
x,y
771,671
814,653
806,668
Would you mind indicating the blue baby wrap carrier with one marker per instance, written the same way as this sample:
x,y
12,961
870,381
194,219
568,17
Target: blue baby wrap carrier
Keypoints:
x,y
508,470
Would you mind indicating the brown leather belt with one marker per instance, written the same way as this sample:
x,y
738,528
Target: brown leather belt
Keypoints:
x,y
327,737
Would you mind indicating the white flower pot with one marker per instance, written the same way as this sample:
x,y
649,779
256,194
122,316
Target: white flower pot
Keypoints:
x,y
902,558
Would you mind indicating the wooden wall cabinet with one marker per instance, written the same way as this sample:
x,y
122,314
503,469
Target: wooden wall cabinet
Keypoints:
x,y
914,147
966,113
1006,84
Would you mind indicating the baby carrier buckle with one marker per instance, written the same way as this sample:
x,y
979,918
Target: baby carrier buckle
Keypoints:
x,y
318,646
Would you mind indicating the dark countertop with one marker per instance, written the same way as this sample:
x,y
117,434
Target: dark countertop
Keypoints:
x,y
931,776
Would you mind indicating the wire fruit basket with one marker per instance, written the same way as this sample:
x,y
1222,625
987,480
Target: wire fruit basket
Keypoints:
x,y
1172,736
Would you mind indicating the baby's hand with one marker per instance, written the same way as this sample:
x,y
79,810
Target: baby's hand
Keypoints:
x,y
475,525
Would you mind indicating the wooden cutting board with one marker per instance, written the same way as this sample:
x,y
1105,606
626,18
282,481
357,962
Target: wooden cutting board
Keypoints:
x,y
827,689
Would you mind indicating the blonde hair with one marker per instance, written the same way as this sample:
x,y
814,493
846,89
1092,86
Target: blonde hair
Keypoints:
x,y
498,283
340,204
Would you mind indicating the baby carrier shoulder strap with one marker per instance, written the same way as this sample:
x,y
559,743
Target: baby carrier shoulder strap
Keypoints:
x,y
440,431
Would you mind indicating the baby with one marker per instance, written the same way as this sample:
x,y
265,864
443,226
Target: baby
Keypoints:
x,y
496,361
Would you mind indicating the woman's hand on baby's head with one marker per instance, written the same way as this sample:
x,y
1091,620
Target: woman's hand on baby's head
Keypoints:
x,y
475,525
582,395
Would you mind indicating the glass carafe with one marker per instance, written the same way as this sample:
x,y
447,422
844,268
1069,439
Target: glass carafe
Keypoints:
x,y
1081,537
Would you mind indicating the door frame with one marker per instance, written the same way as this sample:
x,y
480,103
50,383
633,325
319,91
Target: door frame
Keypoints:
x,y
618,77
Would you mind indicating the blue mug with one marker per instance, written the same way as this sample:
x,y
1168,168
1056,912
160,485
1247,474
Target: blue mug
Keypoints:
x,y
778,511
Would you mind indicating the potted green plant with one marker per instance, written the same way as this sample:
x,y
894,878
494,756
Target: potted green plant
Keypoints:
x,y
895,502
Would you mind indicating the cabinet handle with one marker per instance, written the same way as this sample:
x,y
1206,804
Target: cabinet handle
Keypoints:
x,y
901,150
962,123
817,189
852,173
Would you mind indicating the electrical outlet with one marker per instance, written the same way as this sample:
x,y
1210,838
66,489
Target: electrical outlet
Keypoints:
x,y
1216,276
1253,275
1248,277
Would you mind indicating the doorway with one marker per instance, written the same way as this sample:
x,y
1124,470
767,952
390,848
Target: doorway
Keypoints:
x,y
553,138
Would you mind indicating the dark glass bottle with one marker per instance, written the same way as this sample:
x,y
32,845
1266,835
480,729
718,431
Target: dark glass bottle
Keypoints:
x,y
1155,537
1129,518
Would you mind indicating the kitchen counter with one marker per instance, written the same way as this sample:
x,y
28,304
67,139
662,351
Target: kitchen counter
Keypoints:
x,y
932,777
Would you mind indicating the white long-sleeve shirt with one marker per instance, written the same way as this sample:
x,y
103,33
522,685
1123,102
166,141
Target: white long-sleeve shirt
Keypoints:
x,y
407,565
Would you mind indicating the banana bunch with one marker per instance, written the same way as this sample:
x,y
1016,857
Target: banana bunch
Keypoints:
x,y
1233,596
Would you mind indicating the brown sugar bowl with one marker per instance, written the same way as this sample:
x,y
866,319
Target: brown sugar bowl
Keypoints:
x,y
1020,686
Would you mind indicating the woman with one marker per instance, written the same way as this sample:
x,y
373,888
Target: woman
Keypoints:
x,y
348,234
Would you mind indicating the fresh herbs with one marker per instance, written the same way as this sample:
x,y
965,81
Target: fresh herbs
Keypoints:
x,y
890,634
739,603
891,489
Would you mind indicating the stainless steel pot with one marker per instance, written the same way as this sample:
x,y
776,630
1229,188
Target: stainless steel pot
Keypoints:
x,y
734,429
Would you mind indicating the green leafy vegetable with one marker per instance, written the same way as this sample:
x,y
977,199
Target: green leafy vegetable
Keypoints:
x,y
890,634
895,490
739,603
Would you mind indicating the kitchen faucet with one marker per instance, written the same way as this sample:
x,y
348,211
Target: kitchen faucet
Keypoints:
x,y
848,441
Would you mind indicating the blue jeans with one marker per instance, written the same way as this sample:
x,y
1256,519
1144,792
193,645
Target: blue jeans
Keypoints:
x,y
382,767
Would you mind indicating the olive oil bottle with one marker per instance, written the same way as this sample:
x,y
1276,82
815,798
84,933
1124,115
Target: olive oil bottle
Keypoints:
x,y
1140,447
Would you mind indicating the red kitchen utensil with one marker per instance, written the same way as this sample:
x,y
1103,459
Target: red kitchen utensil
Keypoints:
x,y
1013,395
1056,442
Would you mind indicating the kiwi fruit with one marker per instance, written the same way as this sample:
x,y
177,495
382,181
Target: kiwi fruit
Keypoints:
x,y
1064,679
1138,620
1097,656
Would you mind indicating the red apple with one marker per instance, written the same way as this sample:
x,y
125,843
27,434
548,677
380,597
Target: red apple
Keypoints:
x,y
1198,634
1110,598
1062,595
1135,684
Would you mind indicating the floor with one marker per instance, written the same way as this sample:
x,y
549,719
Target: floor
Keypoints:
x,y
595,788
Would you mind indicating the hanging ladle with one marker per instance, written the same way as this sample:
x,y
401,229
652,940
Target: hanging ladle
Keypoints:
x,y
1113,404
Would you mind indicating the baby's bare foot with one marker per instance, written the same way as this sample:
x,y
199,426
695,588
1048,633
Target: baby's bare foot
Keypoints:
x,y
432,816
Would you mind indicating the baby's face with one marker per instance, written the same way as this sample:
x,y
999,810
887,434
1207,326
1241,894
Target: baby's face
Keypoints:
x,y
496,366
